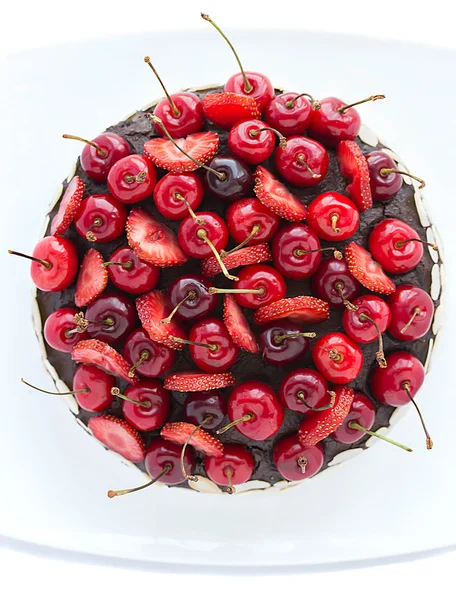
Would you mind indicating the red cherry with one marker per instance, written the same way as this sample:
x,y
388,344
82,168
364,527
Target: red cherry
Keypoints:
x,y
252,141
266,285
60,330
132,179
337,358
162,453
250,222
201,405
362,412
148,358
334,283
98,383
385,178
289,113
304,390
295,461
233,468
188,118
412,311
303,161
192,234
283,342
100,218
174,194
130,274
218,351
360,328
334,122
145,405
189,295
111,317
333,216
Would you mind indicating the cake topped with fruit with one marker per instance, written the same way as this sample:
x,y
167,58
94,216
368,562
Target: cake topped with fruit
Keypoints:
x,y
236,286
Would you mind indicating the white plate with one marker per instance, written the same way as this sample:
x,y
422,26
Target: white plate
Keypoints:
x,y
384,503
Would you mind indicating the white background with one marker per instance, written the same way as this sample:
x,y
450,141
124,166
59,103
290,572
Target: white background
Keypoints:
x,y
26,25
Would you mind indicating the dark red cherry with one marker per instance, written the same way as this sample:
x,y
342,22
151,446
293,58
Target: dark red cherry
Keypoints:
x,y
252,141
199,406
99,385
184,117
362,412
235,180
191,293
147,358
130,274
412,311
154,408
333,123
337,358
333,216
266,284
249,219
100,218
360,328
174,193
334,283
289,113
283,342
295,251
304,389
218,351
295,461
384,184
132,179
162,453
60,330
303,161
233,468
261,87
395,245
111,317
191,238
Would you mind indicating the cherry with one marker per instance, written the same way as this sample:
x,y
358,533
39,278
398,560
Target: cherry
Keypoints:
x,y
145,405
111,317
250,222
412,311
283,342
101,153
176,196
199,406
337,357
131,179
233,468
303,161
212,348
233,179
194,236
253,141
190,297
148,358
362,412
289,113
54,263
295,461
304,390
100,218
129,273
334,283
333,216
60,330
385,178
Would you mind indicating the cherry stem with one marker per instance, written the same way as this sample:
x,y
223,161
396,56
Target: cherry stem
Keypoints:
x,y
401,243
201,233
340,290
247,85
337,253
45,263
259,291
230,489
212,347
278,339
114,493
255,229
416,312
246,417
429,442
184,448
315,104
174,108
334,219
336,356
385,172
115,391
330,404
139,178
126,265
301,159
379,355
100,151
302,462
190,296
73,393
282,138
90,236
342,109
190,209
82,324
355,425
145,355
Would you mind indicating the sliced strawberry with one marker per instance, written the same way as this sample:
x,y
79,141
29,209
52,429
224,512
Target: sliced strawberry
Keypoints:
x,y
100,354
201,440
195,381
200,146
68,206
119,436
252,255
92,279
366,270
302,309
353,166
152,241
227,109
238,326
275,196
319,425
152,308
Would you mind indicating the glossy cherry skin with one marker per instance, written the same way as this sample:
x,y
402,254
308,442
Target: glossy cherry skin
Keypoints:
x,y
330,126
282,352
159,358
387,384
385,245
308,382
57,328
361,331
244,214
238,181
263,90
98,164
248,143
383,187
194,246
330,275
133,275
189,120
161,453
115,315
187,185
314,154
132,179
200,405
146,418
346,366
289,120
406,302
62,256
212,331
321,211
287,453
362,411
287,248
99,383
258,399
104,207
256,277
236,459
200,304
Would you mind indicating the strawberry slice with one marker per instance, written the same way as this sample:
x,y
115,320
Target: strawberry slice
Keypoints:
x,y
252,255
119,436
68,206
302,309
275,196
319,425
366,270
152,308
200,146
227,109
353,166
153,241
201,440
195,381
92,278
100,354
238,326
